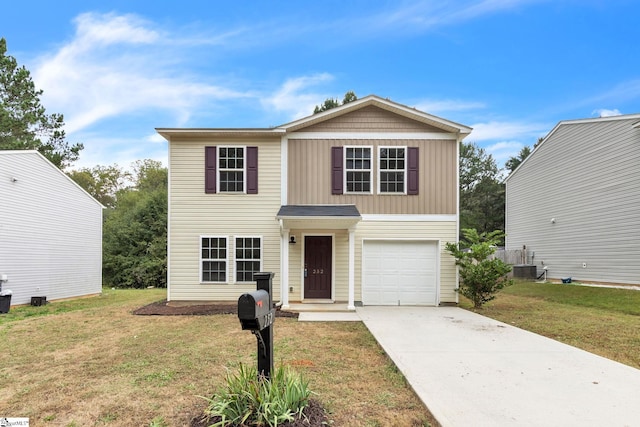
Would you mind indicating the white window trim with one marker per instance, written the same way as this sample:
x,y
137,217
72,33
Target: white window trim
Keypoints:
x,y
371,169
235,260
208,236
244,169
378,163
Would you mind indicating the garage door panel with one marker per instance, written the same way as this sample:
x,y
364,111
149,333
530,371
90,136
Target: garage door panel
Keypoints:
x,y
400,272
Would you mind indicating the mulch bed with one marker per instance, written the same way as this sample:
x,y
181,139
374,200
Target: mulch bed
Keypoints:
x,y
161,308
314,416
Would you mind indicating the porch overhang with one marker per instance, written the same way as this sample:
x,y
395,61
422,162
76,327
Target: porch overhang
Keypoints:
x,y
318,217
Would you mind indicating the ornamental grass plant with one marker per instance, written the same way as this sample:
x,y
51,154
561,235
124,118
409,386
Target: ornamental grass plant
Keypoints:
x,y
250,399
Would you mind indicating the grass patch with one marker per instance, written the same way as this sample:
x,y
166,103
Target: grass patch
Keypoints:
x,y
625,301
90,362
108,297
604,321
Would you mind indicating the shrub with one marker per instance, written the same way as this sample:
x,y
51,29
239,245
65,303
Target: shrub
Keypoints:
x,y
247,399
481,276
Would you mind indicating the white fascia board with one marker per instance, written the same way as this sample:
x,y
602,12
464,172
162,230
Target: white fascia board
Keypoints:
x,y
373,135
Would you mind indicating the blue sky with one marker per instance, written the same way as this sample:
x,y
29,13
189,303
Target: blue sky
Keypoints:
x,y
511,69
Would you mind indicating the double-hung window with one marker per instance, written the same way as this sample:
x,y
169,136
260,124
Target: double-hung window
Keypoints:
x,y
397,169
248,258
213,255
231,162
392,169
229,169
358,166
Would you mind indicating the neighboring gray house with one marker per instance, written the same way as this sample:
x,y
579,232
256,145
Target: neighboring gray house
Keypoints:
x,y
50,231
575,201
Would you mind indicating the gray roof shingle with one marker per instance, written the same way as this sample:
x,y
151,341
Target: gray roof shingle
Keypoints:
x,y
318,211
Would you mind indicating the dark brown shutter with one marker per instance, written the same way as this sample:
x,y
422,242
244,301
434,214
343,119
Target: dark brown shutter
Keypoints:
x,y
337,179
252,170
412,170
210,164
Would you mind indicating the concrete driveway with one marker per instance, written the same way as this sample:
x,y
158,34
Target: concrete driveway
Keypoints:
x,y
470,370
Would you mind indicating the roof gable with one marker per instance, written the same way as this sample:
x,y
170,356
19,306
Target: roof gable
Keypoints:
x,y
50,166
371,119
396,116
577,127
412,114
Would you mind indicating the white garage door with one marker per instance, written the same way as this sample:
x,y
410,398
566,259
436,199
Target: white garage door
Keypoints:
x,y
399,273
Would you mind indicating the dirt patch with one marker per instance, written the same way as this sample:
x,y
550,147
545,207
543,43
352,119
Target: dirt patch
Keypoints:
x,y
161,308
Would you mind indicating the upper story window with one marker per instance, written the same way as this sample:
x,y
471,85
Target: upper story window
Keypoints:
x,y
392,170
231,169
398,170
358,166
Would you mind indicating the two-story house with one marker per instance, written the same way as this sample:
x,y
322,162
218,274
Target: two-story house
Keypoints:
x,y
351,205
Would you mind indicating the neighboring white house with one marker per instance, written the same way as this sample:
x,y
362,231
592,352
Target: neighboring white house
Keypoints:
x,y
575,201
50,231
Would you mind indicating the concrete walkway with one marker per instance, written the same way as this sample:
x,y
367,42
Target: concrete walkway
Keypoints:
x,y
470,370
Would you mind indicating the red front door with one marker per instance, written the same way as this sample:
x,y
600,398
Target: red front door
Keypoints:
x,y
317,267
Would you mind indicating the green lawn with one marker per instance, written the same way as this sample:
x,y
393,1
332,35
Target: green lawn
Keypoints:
x,y
605,321
91,362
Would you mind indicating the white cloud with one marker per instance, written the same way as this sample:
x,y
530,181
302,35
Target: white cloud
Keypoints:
x,y
603,112
293,97
504,150
123,151
448,105
116,65
155,138
108,29
429,14
503,139
508,131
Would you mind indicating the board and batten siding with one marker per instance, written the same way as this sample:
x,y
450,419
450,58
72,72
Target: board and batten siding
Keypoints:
x,y
50,231
194,214
371,119
309,177
575,202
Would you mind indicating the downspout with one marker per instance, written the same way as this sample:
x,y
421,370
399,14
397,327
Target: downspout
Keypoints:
x,y
284,233
457,240
284,266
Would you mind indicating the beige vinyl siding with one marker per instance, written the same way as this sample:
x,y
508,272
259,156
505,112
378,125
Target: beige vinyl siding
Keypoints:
x,y
442,231
309,177
194,213
370,119
586,176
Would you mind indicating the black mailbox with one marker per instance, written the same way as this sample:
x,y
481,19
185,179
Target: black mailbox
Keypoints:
x,y
254,310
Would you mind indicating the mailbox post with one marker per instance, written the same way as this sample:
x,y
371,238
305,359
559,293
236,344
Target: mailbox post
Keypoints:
x,y
256,313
